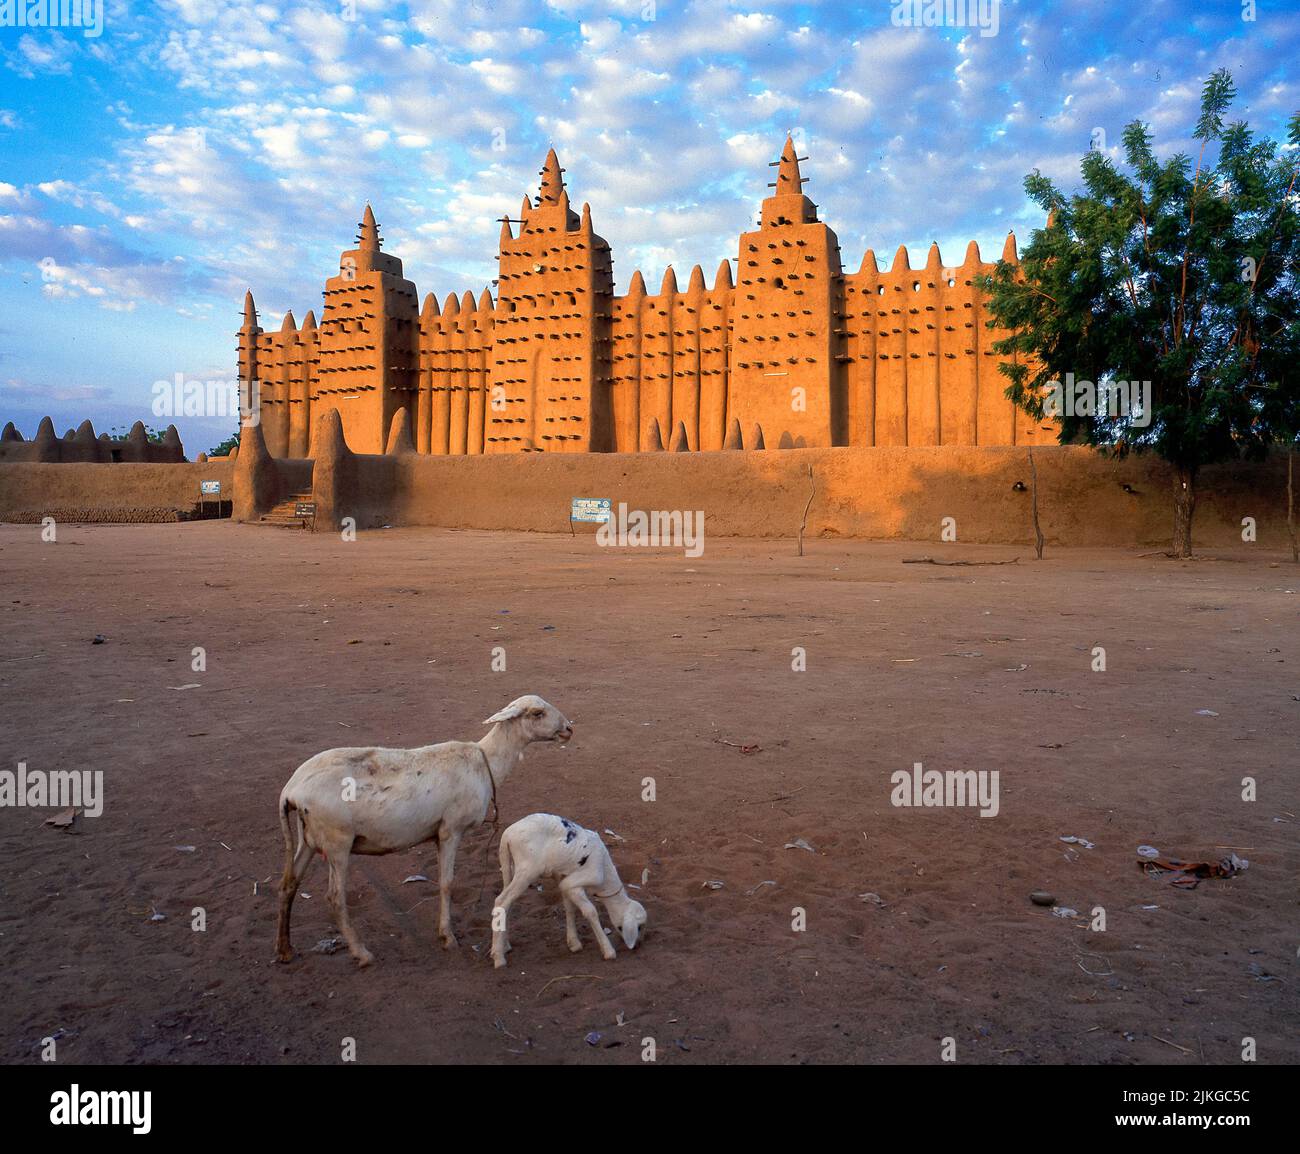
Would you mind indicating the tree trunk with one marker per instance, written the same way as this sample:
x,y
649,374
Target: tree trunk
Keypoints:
x,y
1184,509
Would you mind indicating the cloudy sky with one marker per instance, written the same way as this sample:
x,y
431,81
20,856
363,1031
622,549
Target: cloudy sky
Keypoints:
x,y
199,147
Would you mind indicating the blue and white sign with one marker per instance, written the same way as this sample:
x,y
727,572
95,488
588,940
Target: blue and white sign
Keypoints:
x,y
210,487
590,509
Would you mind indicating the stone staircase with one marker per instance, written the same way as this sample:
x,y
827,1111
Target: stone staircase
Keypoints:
x,y
282,515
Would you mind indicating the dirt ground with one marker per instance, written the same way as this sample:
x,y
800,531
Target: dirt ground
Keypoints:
x,y
667,666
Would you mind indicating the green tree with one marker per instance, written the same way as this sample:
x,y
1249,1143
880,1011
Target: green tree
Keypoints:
x,y
1179,272
224,448
152,435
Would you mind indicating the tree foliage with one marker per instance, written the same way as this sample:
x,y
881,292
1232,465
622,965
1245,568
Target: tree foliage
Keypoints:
x,y
1181,272
223,449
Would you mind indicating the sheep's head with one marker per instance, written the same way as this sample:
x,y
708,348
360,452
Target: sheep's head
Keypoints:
x,y
633,920
537,719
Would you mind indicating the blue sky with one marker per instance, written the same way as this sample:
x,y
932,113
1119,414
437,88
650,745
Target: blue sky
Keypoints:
x,y
199,147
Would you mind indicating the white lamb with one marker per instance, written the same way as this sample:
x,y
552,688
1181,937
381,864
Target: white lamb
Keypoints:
x,y
378,801
543,845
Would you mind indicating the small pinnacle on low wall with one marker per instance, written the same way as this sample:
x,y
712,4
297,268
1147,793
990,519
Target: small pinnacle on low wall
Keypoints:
x,y
399,435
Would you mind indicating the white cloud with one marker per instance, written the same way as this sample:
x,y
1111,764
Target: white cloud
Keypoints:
x,y
51,53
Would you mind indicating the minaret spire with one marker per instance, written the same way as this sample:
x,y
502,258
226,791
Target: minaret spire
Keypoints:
x,y
788,179
250,311
552,179
786,201
369,238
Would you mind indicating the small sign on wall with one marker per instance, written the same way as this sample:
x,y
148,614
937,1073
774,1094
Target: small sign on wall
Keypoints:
x,y
209,489
595,509
304,509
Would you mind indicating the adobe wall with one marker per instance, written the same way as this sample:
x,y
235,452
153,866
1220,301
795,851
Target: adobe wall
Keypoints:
x,y
82,446
919,364
668,363
455,344
124,491
881,492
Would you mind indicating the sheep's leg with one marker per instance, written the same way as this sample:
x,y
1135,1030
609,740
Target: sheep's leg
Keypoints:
x,y
507,873
295,869
340,857
588,910
570,925
500,910
446,871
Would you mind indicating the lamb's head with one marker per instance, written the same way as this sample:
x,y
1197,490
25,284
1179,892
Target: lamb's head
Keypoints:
x,y
625,912
633,920
535,718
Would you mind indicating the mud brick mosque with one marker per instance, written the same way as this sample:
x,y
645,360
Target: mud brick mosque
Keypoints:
x,y
790,352
499,411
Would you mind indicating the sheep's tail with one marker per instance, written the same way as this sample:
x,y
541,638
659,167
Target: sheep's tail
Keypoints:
x,y
287,828
507,866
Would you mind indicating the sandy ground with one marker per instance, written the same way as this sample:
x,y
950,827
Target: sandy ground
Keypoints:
x,y
667,666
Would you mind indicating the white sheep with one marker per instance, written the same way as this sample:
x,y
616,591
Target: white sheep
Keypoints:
x,y
378,801
544,845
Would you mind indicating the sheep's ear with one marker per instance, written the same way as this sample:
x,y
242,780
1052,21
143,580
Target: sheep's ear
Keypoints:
x,y
509,713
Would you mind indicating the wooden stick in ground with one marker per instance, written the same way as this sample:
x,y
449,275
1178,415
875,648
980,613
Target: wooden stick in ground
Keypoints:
x,y
1038,533
932,561
802,524
1290,501
1175,1045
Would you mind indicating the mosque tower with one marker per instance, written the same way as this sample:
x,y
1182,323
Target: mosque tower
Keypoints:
x,y
549,380
783,368
367,342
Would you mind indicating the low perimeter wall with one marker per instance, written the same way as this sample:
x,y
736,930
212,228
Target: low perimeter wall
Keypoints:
x,y
120,492
1083,498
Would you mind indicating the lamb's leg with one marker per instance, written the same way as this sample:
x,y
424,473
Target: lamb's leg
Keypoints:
x,y
570,926
446,871
340,856
579,896
500,911
296,864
